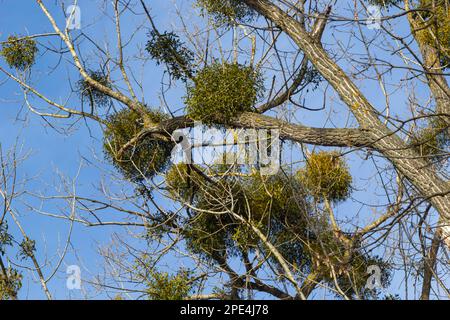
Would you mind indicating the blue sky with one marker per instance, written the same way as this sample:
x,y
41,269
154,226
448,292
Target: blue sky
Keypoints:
x,y
53,152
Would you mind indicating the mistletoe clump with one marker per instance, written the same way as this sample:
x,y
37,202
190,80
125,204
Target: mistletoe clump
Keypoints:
x,y
92,94
227,11
275,205
27,248
430,142
433,27
222,91
177,180
138,158
425,142
279,208
19,53
164,286
205,233
6,238
326,176
166,48
182,180
341,262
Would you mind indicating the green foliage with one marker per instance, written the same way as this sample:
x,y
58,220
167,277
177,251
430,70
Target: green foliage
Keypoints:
x,y
276,205
10,284
168,49
210,235
162,286
326,176
27,248
5,238
204,233
145,157
430,142
92,94
226,12
434,27
425,142
222,91
181,180
19,53
10,279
